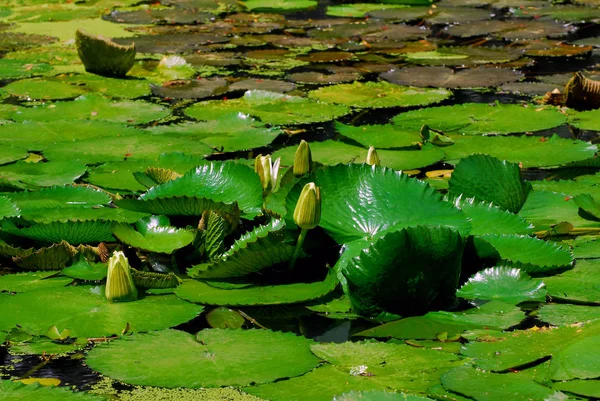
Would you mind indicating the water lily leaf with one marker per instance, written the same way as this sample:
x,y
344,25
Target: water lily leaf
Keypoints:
x,y
565,314
85,311
444,77
564,13
191,89
228,133
378,396
45,346
201,292
270,107
486,218
359,10
482,118
54,257
32,175
524,347
476,384
391,365
154,234
85,270
73,232
512,30
506,284
42,88
490,179
94,107
578,285
262,247
378,94
463,56
321,384
32,281
379,136
586,247
11,153
588,204
212,186
59,197
8,208
80,214
14,68
434,255
317,78
545,209
65,30
15,390
586,388
494,315
526,150
532,255
572,188
356,203
229,357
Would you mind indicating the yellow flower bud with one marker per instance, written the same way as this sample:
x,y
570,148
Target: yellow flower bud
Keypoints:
x,y
307,213
373,157
119,283
262,166
302,159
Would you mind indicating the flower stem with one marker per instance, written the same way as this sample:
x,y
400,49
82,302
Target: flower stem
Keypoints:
x,y
298,247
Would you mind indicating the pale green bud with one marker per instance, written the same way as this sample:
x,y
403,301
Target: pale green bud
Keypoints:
x,y
373,157
262,166
119,282
307,213
302,159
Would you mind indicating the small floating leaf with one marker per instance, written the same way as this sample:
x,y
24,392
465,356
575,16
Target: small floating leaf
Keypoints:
x,y
154,234
506,284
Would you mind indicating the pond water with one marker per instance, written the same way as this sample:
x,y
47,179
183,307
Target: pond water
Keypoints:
x,y
499,199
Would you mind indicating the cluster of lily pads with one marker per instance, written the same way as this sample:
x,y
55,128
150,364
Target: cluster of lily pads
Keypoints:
x,y
140,230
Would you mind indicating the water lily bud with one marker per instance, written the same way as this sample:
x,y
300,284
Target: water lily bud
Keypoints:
x,y
119,283
302,159
262,166
275,172
373,157
307,214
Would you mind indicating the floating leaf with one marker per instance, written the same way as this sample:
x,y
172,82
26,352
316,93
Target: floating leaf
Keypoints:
x,y
490,179
405,272
378,396
278,5
8,208
565,314
226,357
16,390
203,293
463,56
494,315
545,209
85,270
59,197
581,284
154,234
586,388
86,312
486,218
506,284
33,281
32,175
262,247
444,77
379,94
379,136
14,69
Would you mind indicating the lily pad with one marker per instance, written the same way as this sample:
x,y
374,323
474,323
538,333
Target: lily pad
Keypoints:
x,y
226,357
14,390
378,396
359,10
85,311
278,5
444,77
94,107
73,232
463,56
203,293
379,136
486,218
85,270
506,284
585,388
34,175
378,95
154,234
481,118
15,68
32,281
578,285
565,314
270,107
8,208
434,255
59,197
492,315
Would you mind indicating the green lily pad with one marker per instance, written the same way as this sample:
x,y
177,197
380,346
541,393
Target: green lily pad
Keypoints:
x,y
586,247
8,208
356,202
565,314
486,218
359,10
378,95
45,346
270,107
378,396
583,185
228,133
580,285
14,390
59,197
10,154
42,88
530,254
85,311
482,118
262,247
65,30
154,234
379,136
94,107
33,175
123,88
526,150
14,69
213,186
545,209
445,77
203,293
80,232
494,315
82,214
226,357
32,281
476,384
278,5
490,179
586,388
506,284
587,120
588,204
463,56
85,270
380,279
